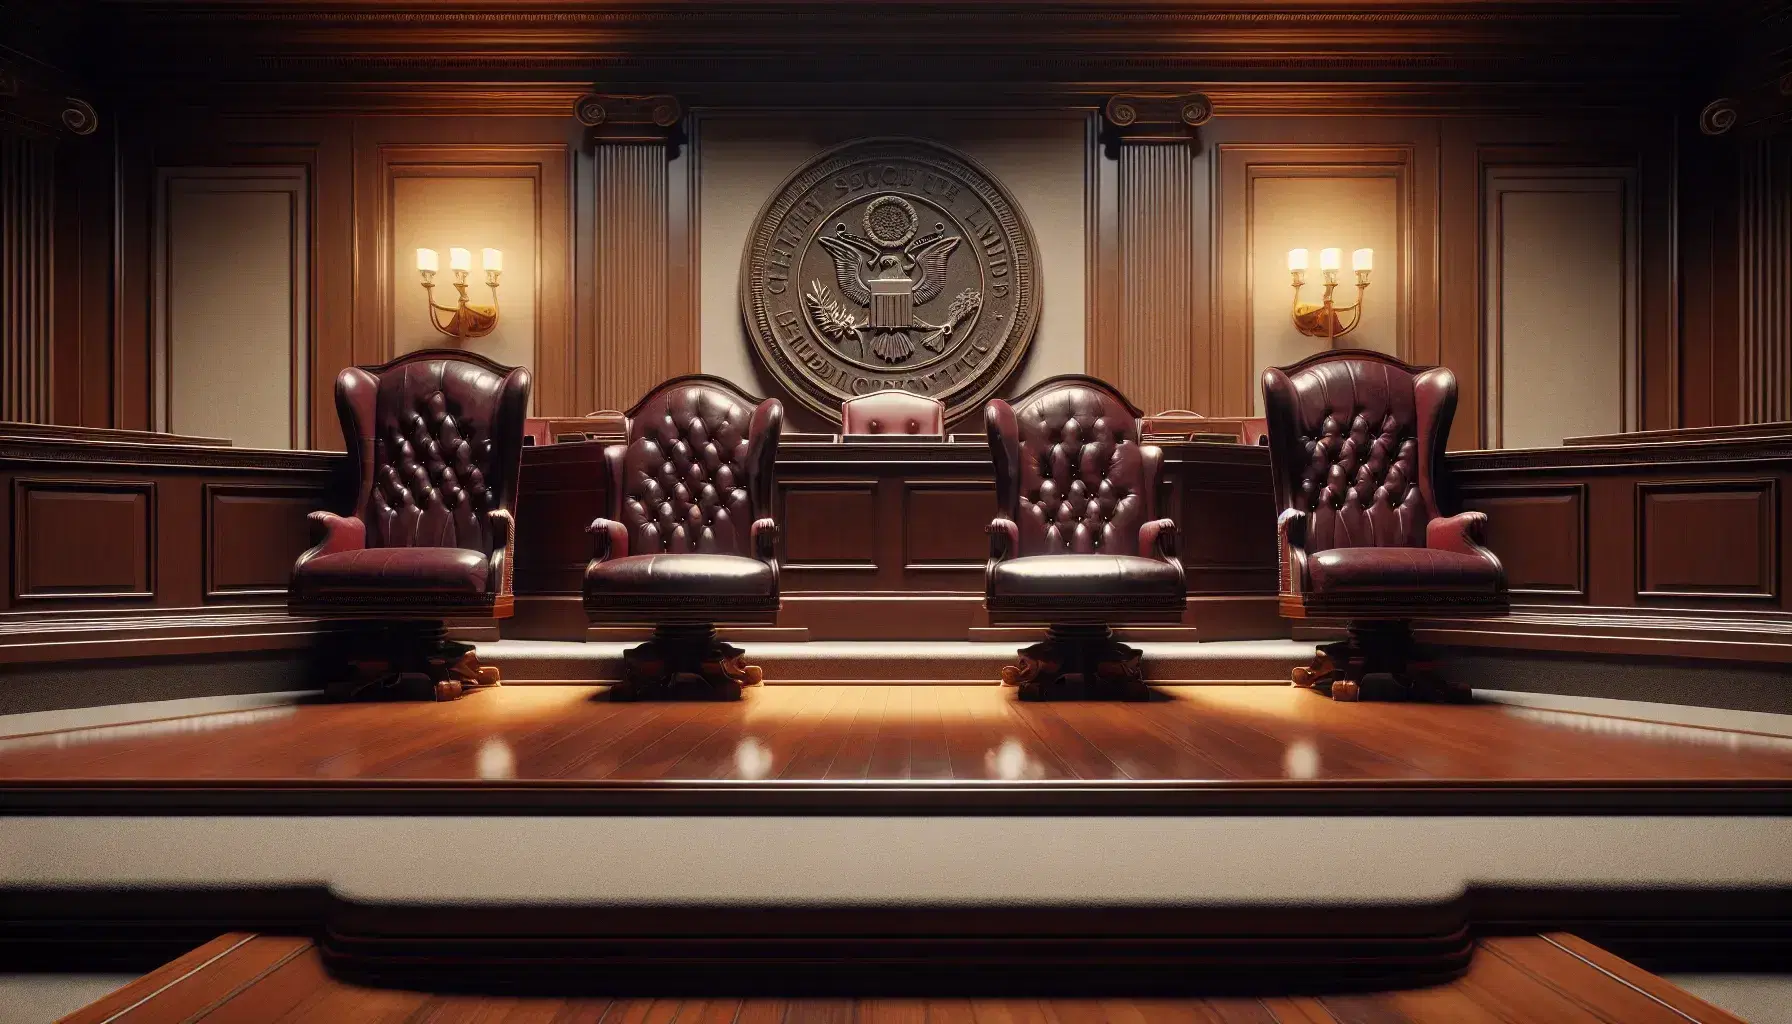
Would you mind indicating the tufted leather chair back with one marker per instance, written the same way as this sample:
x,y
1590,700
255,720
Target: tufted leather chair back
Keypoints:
x,y
696,470
435,440
1070,471
1354,439
893,411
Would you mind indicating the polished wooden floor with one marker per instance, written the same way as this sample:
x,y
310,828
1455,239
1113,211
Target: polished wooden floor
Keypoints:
x,y
262,979
919,737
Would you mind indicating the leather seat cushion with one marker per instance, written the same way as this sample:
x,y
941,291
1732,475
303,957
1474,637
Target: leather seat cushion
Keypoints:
x,y
1355,570
692,574
1086,576
398,570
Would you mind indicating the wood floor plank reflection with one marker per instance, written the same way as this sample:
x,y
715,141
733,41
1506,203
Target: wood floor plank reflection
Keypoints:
x,y
1542,979
924,733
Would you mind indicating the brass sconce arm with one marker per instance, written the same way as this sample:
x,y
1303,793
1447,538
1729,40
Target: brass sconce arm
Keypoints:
x,y
1325,319
465,319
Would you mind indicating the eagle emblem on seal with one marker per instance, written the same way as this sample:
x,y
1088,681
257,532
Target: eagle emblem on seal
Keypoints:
x,y
884,275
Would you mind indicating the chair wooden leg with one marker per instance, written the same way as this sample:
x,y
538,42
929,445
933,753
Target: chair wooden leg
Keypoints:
x,y
1079,663
411,661
1338,669
685,663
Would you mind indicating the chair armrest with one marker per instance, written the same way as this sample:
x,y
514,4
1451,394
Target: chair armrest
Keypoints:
x,y
1291,550
503,532
765,540
1157,539
1004,539
1461,533
764,536
331,533
609,539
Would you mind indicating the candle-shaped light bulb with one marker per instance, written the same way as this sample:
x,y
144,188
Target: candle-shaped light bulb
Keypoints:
x,y
1297,259
1362,259
426,260
460,259
1329,258
493,259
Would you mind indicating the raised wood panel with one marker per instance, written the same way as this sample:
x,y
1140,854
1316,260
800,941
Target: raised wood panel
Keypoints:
x,y
1539,533
231,301
458,194
943,524
77,540
1560,348
1636,151
829,524
1227,537
1708,539
1380,178
253,534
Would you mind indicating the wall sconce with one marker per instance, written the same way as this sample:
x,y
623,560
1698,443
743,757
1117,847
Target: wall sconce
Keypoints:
x,y
1322,321
465,320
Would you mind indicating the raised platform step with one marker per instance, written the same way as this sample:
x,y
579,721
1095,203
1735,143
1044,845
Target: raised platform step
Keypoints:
x,y
897,661
1522,979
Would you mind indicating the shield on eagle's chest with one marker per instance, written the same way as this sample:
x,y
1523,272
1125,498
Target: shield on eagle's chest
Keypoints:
x,y
892,302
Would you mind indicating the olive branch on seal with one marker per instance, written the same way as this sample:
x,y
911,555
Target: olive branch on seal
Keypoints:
x,y
830,313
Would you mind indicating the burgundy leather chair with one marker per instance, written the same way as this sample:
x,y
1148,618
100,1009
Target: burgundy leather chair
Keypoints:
x,y
1077,543
689,540
893,411
434,441
1355,440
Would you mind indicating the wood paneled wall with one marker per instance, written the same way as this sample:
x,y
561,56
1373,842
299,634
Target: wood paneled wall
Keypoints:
x,y
1189,291
362,164
1185,296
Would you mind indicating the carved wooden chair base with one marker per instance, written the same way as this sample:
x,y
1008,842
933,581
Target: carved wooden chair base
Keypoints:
x,y
1079,663
413,663
1338,669
685,663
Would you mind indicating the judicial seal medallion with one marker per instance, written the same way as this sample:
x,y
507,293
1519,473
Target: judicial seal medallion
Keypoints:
x,y
890,263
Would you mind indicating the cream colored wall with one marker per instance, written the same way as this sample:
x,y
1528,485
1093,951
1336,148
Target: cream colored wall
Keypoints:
x,y
1315,213
1559,318
1039,158
230,305
472,213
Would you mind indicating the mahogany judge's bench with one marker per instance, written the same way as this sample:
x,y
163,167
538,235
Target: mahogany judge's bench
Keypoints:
x,y
886,539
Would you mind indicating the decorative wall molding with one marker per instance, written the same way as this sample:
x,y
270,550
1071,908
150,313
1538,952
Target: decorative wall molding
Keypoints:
x,y
27,276
1764,292
167,342
1163,291
1501,183
41,103
1407,278
630,353
614,119
1046,41
547,166
1153,117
